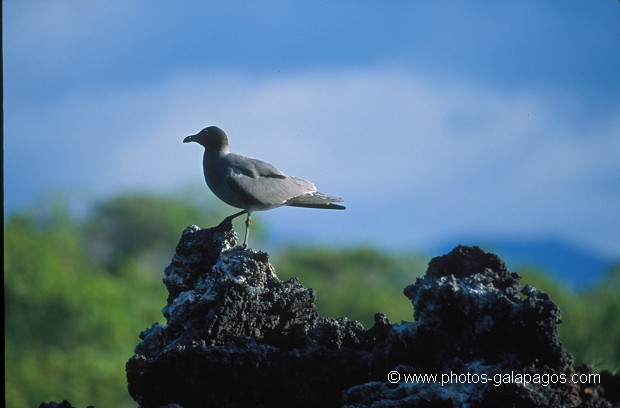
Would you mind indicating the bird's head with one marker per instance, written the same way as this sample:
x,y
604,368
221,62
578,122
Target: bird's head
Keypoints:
x,y
212,138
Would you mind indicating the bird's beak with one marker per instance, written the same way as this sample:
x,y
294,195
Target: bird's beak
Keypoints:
x,y
189,139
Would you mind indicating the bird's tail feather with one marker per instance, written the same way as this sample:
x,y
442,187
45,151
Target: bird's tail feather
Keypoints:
x,y
316,200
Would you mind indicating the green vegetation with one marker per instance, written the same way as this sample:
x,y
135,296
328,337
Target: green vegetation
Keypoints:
x,y
355,283
78,290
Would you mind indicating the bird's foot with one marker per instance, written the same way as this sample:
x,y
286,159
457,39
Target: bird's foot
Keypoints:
x,y
227,222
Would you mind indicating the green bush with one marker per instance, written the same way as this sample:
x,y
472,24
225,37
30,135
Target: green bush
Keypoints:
x,y
356,283
70,326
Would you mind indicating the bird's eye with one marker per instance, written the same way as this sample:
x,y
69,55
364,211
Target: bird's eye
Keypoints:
x,y
205,130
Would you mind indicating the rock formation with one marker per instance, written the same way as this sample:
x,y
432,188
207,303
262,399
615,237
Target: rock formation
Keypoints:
x,y
236,335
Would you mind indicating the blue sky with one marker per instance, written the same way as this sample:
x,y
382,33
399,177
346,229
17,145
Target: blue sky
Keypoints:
x,y
433,119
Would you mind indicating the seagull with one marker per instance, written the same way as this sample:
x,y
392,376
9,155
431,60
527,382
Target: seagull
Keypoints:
x,y
251,184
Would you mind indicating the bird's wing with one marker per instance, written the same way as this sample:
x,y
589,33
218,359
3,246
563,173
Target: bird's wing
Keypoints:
x,y
252,167
260,184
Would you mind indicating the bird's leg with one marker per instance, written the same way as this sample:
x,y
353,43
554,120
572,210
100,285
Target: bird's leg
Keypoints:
x,y
248,222
232,217
228,220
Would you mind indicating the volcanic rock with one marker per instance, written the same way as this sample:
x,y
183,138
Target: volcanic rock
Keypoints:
x,y
238,336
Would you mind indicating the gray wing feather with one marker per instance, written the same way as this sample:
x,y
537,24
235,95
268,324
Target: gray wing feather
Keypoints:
x,y
253,168
267,186
260,184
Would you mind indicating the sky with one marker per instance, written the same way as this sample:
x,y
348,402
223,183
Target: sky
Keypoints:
x,y
433,120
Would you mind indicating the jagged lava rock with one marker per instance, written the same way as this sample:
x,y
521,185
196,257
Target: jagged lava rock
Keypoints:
x,y
468,301
494,344
236,335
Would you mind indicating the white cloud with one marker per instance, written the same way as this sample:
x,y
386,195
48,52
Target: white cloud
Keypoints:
x,y
416,158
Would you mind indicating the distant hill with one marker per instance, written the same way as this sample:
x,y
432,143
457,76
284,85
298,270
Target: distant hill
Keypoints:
x,y
576,267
